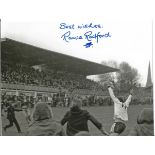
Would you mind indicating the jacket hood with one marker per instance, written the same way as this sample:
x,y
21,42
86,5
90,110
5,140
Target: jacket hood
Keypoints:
x,y
41,111
75,110
145,116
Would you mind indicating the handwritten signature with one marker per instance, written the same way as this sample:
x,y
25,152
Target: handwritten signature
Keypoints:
x,y
89,36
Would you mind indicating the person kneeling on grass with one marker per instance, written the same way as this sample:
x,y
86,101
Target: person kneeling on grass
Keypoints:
x,y
77,119
120,112
43,123
145,124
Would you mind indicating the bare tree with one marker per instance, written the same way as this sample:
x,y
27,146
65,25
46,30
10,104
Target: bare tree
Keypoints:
x,y
128,77
104,78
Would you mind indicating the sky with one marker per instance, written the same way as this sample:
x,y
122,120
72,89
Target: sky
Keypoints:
x,y
129,41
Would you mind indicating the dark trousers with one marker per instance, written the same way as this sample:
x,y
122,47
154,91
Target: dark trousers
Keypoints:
x,y
13,120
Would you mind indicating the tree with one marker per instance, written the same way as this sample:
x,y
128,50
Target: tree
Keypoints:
x,y
128,77
104,78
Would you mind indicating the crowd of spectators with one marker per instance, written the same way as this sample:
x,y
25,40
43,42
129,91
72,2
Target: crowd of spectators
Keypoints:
x,y
63,100
19,74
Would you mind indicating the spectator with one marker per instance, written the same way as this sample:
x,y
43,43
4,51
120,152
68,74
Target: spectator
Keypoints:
x,y
11,117
43,123
145,124
77,120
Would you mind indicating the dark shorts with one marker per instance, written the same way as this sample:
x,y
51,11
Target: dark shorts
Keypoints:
x,y
118,127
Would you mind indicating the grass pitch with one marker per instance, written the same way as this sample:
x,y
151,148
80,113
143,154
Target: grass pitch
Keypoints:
x,y
104,114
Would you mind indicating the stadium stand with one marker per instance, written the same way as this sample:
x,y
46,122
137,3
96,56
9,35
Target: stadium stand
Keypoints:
x,y
29,73
26,68
18,74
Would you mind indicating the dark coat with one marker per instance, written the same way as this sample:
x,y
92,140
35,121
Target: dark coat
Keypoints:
x,y
77,120
11,112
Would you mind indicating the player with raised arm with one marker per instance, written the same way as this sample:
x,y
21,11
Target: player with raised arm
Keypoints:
x,y
120,112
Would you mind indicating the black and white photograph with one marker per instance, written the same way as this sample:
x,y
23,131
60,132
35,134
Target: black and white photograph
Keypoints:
x,y
77,78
